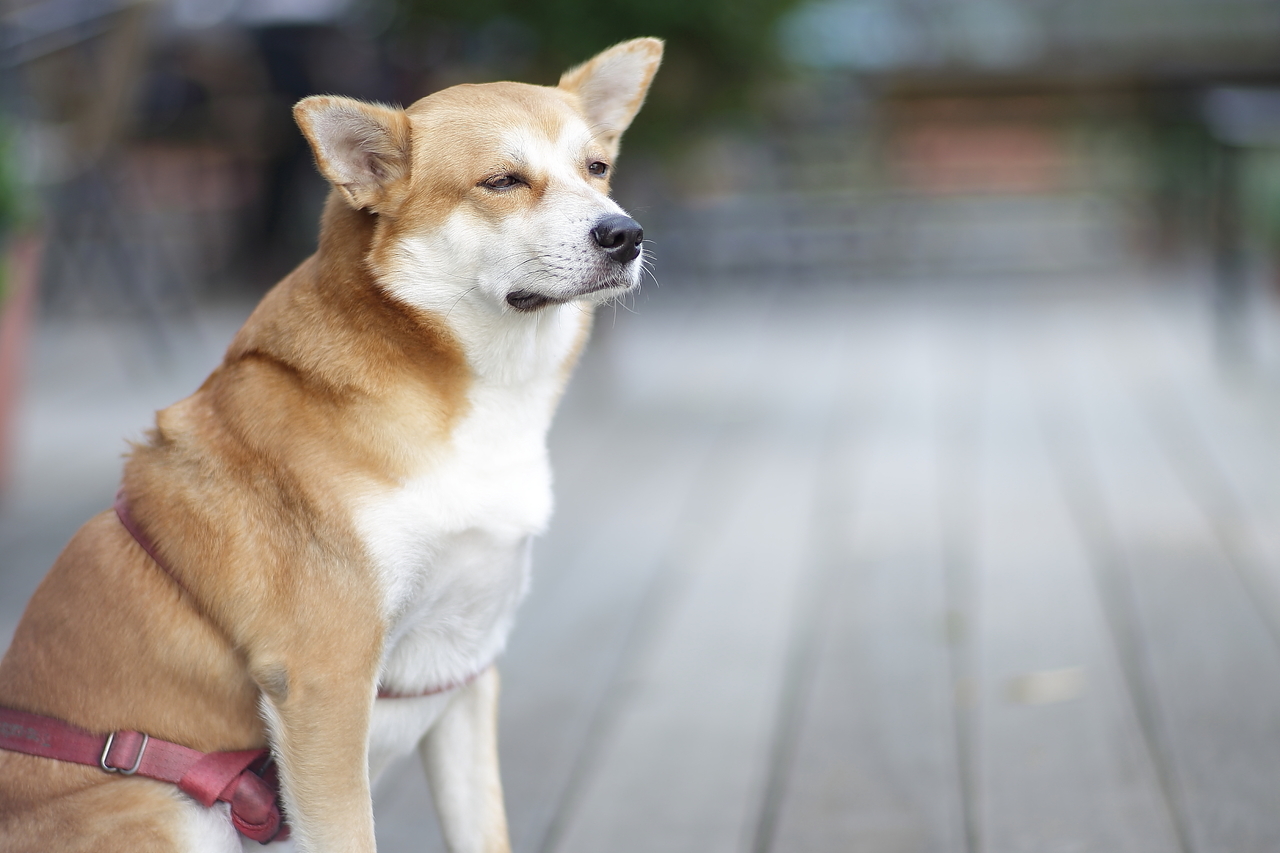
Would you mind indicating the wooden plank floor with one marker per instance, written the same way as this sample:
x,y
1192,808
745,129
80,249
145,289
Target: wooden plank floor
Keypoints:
x,y
887,568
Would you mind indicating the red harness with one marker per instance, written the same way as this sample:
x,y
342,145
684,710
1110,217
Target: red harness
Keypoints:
x,y
247,780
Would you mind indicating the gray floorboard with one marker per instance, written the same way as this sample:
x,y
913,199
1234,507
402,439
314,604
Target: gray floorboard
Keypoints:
x,y
1212,662
956,567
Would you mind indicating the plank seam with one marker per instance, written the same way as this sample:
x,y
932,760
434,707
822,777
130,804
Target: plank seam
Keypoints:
x,y
1114,583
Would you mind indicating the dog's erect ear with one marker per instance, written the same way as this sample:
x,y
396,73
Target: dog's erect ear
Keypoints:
x,y
612,85
362,149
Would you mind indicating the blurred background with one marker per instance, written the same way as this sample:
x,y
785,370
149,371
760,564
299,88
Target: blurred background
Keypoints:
x,y
150,145
928,499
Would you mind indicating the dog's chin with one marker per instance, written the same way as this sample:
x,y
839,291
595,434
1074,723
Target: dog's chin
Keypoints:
x,y
532,300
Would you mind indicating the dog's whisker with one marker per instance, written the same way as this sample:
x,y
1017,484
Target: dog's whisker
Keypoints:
x,y
461,296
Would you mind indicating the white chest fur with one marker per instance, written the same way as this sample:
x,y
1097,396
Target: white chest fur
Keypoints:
x,y
451,542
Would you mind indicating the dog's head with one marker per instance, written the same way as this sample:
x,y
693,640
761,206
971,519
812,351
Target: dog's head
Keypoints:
x,y
495,196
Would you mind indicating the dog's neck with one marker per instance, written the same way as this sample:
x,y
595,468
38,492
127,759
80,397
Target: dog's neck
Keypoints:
x,y
331,324
509,349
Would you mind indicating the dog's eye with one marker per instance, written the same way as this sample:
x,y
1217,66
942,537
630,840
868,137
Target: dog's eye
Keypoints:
x,y
598,169
502,182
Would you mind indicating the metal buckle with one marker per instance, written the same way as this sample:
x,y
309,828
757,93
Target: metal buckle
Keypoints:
x,y
102,761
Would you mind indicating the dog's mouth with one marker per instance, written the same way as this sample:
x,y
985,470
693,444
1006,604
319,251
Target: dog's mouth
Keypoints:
x,y
529,300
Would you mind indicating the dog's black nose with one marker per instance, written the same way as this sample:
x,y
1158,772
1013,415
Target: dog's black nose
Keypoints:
x,y
619,236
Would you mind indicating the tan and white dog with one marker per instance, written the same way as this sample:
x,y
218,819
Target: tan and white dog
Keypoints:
x,y
344,509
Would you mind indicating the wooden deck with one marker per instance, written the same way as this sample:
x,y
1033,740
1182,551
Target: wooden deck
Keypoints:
x,y
891,569
908,570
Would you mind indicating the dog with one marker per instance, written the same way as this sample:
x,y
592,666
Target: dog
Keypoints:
x,y
321,551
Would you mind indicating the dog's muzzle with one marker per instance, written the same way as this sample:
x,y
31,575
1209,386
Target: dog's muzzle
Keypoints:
x,y
619,237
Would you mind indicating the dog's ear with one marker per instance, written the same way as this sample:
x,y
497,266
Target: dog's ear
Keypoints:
x,y
362,149
612,85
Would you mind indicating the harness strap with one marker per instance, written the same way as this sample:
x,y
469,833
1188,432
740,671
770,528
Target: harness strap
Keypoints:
x,y
121,507
246,779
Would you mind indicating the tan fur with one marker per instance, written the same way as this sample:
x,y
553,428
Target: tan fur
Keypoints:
x,y
331,391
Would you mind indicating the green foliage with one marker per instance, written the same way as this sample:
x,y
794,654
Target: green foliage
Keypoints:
x,y
11,190
11,198
718,51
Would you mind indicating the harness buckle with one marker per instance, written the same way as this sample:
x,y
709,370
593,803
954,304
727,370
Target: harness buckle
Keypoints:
x,y
102,761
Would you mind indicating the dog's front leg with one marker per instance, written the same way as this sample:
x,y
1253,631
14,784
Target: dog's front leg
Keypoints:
x,y
460,754
318,715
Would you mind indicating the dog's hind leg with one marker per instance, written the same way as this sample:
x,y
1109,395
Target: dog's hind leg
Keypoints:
x,y
460,754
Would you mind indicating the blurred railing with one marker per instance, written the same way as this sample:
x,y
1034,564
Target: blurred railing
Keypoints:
x,y
852,237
